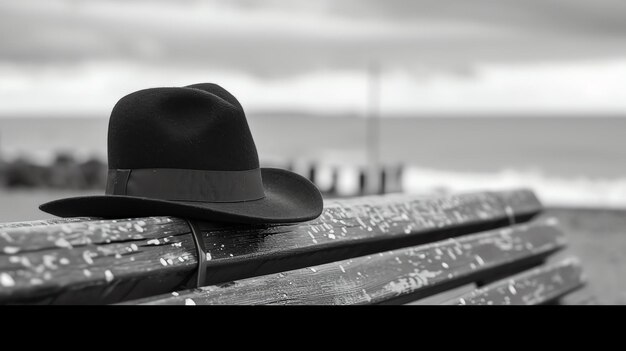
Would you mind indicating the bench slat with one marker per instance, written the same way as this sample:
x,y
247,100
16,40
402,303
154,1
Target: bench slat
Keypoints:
x,y
390,277
43,222
537,286
107,261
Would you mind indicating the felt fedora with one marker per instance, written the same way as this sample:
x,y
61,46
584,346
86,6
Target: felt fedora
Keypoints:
x,y
188,152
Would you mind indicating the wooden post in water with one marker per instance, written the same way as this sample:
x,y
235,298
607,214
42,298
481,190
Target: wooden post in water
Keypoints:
x,y
372,137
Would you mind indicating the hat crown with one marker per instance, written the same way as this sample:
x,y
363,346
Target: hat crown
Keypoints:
x,y
201,126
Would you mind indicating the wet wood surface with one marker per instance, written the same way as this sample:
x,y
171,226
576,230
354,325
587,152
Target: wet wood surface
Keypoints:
x,y
538,286
43,222
389,277
84,260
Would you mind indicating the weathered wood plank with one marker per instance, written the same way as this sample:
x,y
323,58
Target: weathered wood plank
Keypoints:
x,y
106,261
388,277
103,261
444,297
44,222
360,226
537,286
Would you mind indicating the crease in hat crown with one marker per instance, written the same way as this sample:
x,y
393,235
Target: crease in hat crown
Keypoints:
x,y
201,126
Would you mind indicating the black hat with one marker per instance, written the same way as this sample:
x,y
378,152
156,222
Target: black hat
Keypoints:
x,y
188,152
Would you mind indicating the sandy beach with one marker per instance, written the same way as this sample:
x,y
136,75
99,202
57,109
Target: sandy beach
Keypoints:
x,y
598,238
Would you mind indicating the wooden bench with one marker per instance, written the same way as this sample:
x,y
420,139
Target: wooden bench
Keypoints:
x,y
478,248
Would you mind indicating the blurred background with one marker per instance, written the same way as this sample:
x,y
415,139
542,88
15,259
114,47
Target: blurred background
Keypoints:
x,y
362,97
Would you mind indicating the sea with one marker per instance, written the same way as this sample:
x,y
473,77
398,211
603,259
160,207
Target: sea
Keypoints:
x,y
567,161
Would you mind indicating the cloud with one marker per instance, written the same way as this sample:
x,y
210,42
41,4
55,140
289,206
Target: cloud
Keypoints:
x,y
290,37
588,88
82,56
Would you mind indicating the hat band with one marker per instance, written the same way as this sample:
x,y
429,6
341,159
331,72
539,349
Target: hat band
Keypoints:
x,y
187,184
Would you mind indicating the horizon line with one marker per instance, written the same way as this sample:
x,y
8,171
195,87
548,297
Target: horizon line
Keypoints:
x,y
349,114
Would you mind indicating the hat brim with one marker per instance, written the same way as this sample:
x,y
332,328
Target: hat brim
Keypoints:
x,y
289,197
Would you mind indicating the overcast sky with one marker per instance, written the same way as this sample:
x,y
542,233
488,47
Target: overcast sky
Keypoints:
x,y
60,57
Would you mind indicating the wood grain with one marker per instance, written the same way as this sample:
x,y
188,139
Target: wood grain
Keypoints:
x,y
43,222
388,277
91,260
537,286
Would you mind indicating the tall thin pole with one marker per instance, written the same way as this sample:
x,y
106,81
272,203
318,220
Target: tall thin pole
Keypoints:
x,y
373,180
